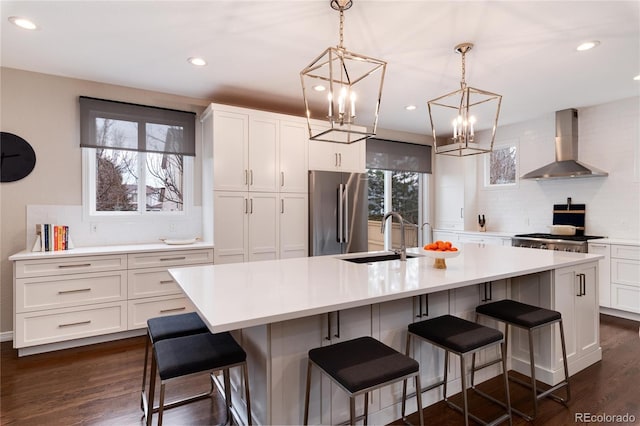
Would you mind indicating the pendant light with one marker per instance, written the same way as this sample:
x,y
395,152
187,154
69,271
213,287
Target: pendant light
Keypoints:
x,y
342,91
457,117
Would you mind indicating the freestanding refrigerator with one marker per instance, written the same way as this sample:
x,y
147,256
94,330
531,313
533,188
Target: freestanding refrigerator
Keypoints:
x,y
338,213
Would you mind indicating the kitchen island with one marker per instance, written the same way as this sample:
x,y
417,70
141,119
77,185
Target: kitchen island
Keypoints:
x,y
280,309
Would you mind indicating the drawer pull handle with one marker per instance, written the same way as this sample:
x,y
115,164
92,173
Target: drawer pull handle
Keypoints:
x,y
167,282
166,259
79,290
71,324
79,265
164,311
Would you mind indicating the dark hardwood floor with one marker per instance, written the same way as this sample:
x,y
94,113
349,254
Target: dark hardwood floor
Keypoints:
x,y
100,384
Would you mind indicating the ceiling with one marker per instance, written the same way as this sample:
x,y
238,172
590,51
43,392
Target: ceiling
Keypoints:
x,y
524,50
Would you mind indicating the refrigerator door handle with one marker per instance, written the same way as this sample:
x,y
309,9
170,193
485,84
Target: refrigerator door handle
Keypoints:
x,y
340,213
345,237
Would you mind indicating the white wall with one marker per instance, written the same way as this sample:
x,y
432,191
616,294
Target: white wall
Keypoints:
x,y
609,139
43,109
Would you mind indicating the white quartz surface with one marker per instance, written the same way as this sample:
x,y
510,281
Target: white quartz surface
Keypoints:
x,y
115,249
240,295
618,241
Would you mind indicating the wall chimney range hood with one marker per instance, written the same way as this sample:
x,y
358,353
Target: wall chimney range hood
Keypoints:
x,y
566,165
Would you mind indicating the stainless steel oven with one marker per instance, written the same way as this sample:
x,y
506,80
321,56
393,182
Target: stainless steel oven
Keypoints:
x,y
573,243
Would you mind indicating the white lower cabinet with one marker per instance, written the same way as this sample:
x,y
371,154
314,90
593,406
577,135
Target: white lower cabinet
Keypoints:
x,y
604,277
573,292
293,225
62,297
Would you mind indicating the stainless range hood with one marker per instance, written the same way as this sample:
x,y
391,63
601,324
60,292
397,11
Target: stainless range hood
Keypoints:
x,y
566,164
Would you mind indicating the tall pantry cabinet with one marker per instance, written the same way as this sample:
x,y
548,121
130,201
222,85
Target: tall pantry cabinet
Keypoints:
x,y
254,184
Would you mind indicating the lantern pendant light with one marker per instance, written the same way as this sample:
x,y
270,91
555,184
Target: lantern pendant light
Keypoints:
x,y
342,91
457,117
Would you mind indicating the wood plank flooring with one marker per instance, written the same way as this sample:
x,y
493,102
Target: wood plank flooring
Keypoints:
x,y
100,385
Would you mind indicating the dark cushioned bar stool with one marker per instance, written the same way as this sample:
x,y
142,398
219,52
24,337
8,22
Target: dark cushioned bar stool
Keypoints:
x,y
168,327
360,366
530,318
182,356
461,337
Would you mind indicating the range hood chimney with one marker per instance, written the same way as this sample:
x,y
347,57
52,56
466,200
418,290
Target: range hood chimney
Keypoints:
x,y
566,164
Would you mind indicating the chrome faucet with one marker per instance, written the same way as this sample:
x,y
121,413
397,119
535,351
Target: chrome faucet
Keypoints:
x,y
430,230
402,251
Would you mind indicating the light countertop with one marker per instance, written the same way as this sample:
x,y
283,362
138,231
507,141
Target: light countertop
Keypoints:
x,y
616,241
240,295
115,249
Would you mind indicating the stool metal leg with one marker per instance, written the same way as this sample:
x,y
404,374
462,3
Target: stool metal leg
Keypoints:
x,y
465,402
534,386
144,373
227,394
152,390
418,399
245,372
404,382
564,360
366,408
352,410
505,376
306,395
161,406
446,369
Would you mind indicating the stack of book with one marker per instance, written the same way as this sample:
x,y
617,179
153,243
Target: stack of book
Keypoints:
x,y
52,237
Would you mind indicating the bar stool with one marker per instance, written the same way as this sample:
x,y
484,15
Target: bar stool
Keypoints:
x,y
182,356
360,366
530,318
461,337
168,327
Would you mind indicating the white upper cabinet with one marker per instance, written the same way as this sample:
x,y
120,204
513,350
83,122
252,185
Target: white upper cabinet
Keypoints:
x,y
337,157
230,151
264,136
294,148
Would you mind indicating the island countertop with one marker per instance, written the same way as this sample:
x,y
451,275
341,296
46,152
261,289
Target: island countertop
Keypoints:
x,y
239,295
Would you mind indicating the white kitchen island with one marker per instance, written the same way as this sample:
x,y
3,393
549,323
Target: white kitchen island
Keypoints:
x,y
280,309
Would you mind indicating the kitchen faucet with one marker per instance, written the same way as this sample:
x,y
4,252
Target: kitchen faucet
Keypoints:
x,y
402,251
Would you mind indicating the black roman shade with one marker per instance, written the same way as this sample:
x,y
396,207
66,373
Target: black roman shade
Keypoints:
x,y
383,154
176,127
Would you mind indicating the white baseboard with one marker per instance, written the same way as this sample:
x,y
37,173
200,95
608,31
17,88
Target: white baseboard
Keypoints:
x,y
6,336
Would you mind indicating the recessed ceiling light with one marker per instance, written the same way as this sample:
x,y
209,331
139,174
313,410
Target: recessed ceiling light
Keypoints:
x,y
410,107
23,23
637,77
587,45
198,62
319,88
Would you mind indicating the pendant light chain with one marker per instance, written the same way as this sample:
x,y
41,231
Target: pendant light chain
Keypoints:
x,y
340,46
463,83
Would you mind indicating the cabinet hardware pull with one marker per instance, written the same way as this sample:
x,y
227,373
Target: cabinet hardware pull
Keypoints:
x,y
251,206
167,282
426,305
164,311
246,206
166,259
246,177
71,324
336,162
597,245
281,178
328,326
282,206
583,280
251,177
340,157
461,212
337,324
581,291
79,290
419,307
79,265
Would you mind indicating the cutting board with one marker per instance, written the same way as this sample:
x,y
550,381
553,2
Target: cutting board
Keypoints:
x,y
570,214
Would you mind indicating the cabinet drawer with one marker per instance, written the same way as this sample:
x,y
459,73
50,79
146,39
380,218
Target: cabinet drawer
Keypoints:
x,y
625,272
625,297
625,252
69,265
143,309
72,290
170,258
151,282
37,328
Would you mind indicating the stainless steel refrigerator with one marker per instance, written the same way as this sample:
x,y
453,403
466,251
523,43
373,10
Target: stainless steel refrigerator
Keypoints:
x,y
338,212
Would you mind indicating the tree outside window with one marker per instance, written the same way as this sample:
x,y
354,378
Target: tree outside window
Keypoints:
x,y
501,166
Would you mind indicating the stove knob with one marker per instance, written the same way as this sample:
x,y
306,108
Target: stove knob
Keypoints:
x,y
556,248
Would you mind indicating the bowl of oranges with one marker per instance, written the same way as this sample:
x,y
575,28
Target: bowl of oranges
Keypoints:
x,y
439,251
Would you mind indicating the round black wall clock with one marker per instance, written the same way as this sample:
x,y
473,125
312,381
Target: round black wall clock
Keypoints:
x,y
17,157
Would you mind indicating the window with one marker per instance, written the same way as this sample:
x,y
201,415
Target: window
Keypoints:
x,y
398,181
137,160
501,166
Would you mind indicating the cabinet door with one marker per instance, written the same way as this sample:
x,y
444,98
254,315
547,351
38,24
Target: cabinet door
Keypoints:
x,y
263,226
604,276
352,157
294,144
264,135
588,320
449,192
323,156
230,221
230,151
294,230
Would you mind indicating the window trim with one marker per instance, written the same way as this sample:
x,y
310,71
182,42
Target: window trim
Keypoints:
x,y
486,167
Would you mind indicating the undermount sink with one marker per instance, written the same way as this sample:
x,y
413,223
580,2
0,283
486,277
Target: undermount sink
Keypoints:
x,y
376,258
